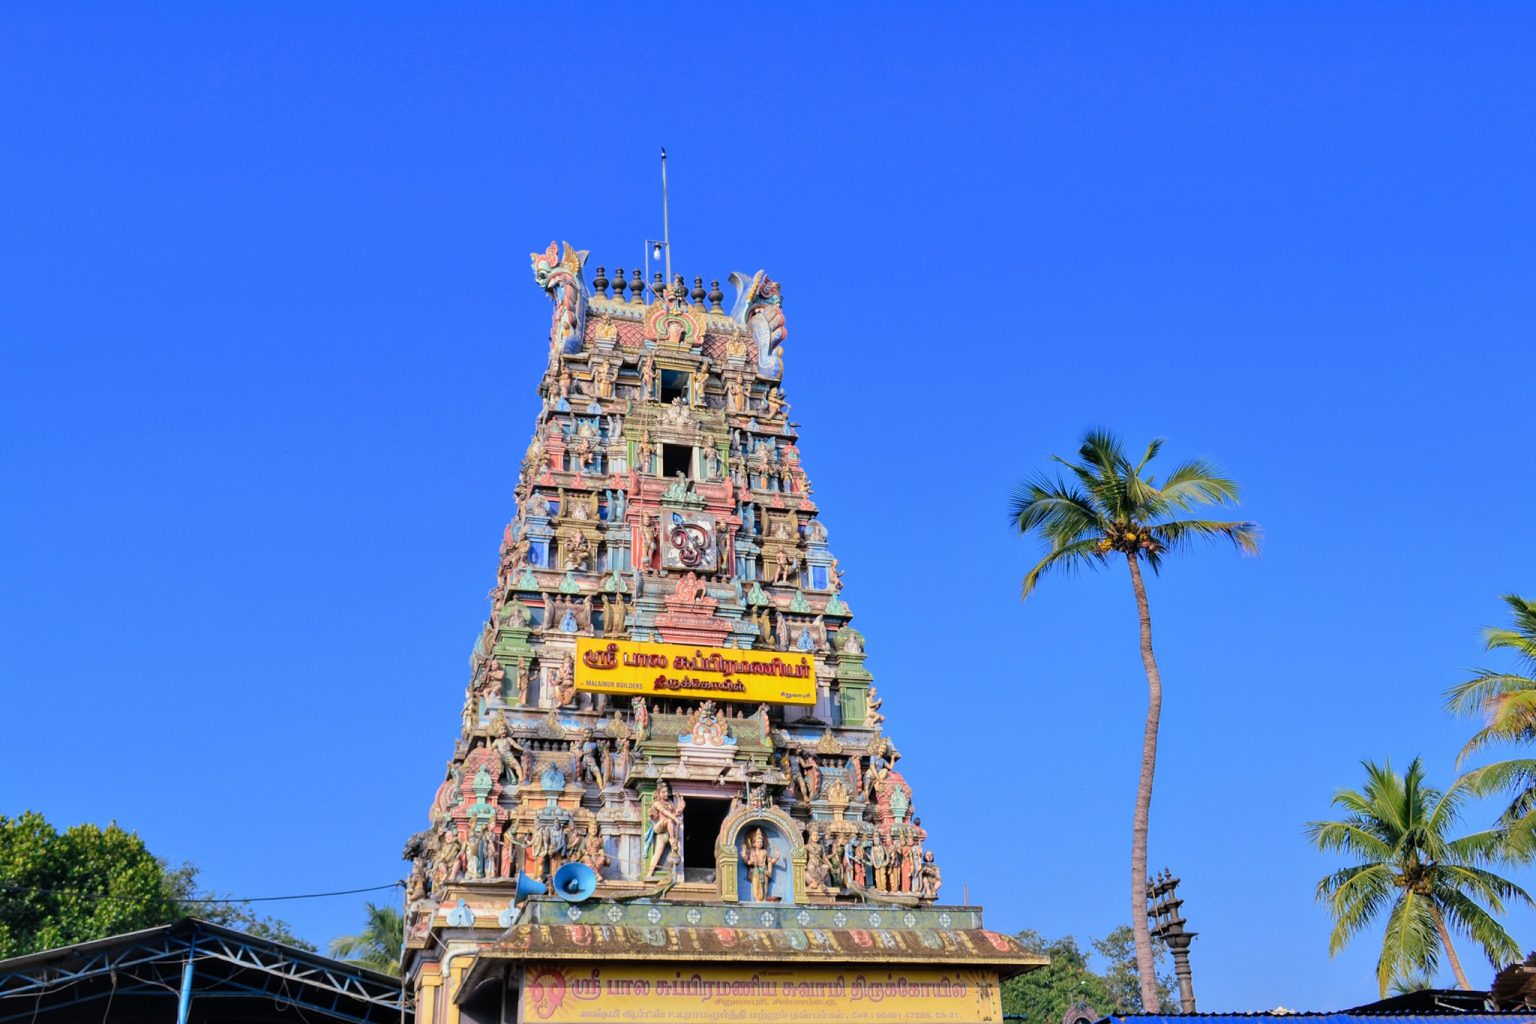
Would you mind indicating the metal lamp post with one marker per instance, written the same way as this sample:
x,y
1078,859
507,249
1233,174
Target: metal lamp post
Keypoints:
x,y
1167,923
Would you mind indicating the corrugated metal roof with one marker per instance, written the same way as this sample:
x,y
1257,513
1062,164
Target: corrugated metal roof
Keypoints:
x,y
1332,1017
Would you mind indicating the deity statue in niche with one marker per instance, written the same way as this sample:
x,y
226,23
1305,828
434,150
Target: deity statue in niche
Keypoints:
x,y
523,678
565,681
508,750
818,871
760,859
929,878
549,844
593,754
665,828
593,853
647,376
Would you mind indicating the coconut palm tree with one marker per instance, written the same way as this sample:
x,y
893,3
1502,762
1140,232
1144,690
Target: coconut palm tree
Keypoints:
x,y
378,945
1410,869
1507,703
1107,508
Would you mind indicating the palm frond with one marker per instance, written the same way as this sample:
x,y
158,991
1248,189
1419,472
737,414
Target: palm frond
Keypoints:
x,y
1177,535
1054,509
1481,693
1071,558
1347,837
1153,447
1198,482
1411,943
1464,915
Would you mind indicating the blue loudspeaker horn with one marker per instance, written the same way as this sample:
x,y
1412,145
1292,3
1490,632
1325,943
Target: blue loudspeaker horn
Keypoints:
x,y
528,886
575,882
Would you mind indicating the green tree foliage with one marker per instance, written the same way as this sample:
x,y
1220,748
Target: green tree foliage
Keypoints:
x,y
1045,995
84,883
1410,870
1506,701
1118,950
1108,507
378,945
59,888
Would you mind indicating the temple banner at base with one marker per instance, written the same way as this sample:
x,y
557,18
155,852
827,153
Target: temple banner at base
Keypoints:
x,y
644,994
679,670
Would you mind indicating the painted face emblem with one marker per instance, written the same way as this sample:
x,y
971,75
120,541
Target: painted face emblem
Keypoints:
x,y
546,991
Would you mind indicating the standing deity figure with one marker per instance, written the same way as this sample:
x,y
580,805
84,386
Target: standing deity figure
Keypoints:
x,y
592,757
544,840
647,377
735,395
563,382
929,878
650,541
907,852
450,849
835,576
817,870
507,749
783,566
620,763
511,851
646,450
880,865
850,860
642,717
810,774
523,681
665,828
760,860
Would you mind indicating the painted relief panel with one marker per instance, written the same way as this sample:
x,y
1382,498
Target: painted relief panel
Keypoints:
x,y
688,541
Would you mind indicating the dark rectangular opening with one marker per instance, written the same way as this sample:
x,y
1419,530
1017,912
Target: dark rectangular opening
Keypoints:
x,y
702,818
675,459
674,384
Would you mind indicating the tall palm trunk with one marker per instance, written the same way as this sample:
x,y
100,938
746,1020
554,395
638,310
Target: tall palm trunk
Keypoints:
x,y
1450,950
1146,967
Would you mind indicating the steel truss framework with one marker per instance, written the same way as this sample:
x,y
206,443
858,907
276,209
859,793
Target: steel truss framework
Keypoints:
x,y
190,961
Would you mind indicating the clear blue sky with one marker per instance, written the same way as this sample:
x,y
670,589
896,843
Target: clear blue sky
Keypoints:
x,y
271,344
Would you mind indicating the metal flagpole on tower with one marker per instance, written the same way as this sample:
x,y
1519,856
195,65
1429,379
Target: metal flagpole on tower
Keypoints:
x,y
666,237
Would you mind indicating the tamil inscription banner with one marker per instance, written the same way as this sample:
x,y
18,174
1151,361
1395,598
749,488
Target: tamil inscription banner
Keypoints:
x,y
652,994
641,669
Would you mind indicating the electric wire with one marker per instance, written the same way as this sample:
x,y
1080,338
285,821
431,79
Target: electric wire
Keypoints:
x,y
9,887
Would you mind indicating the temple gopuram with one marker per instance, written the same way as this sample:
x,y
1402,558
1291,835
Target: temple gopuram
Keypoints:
x,y
670,693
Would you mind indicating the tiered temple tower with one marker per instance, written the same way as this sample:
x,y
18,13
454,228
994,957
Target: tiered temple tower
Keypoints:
x,y
669,690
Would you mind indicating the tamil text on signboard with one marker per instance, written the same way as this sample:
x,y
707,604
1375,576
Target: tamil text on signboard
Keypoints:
x,y
679,670
568,994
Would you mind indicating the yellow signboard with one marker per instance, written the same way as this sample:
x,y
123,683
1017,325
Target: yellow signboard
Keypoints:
x,y
645,994
679,670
